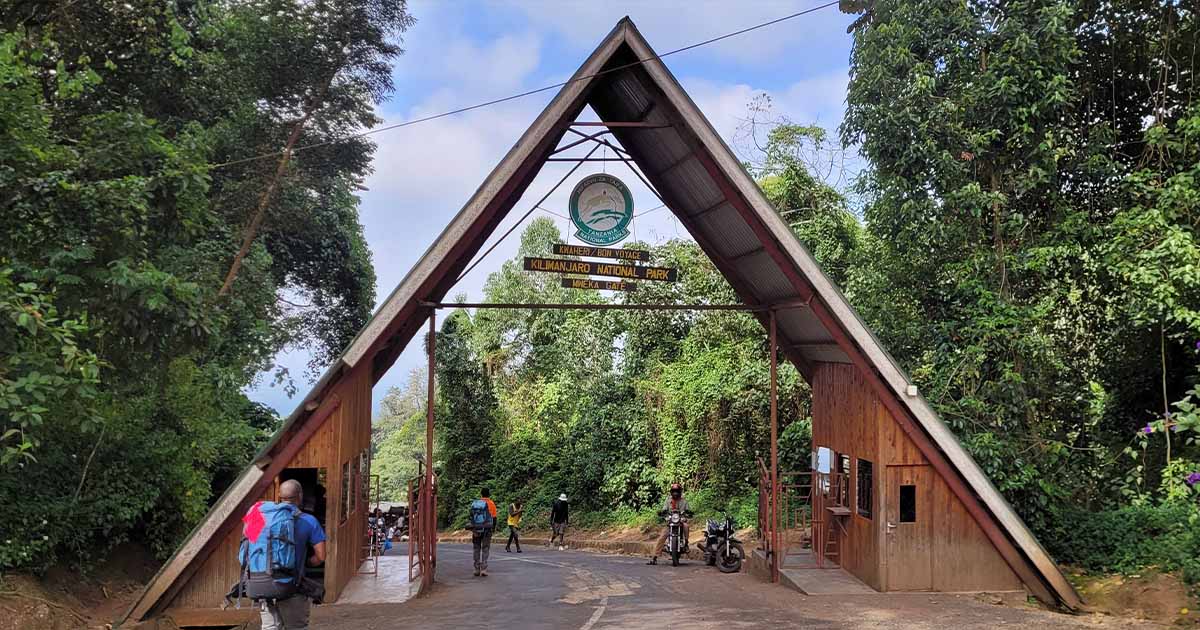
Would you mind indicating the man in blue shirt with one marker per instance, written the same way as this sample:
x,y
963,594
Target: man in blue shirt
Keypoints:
x,y
292,613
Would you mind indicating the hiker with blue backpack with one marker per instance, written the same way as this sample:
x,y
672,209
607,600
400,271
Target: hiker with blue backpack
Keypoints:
x,y
482,522
275,541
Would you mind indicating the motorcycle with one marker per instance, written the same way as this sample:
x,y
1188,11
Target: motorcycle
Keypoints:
x,y
719,546
676,544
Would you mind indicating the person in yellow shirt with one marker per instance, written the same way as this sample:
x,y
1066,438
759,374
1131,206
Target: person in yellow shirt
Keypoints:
x,y
515,510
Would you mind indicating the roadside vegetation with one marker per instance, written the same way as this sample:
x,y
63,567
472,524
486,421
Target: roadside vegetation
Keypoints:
x,y
125,207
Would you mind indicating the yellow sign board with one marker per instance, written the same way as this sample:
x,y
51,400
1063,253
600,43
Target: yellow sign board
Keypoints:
x,y
589,268
592,283
563,249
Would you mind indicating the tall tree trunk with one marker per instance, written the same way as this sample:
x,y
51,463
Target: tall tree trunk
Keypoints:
x,y
998,235
1162,349
264,200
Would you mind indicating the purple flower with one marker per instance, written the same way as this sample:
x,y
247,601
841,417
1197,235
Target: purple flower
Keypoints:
x,y
1193,478
1147,429
1198,345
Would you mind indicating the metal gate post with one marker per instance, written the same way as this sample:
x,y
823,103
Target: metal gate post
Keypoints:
x,y
775,560
412,534
429,525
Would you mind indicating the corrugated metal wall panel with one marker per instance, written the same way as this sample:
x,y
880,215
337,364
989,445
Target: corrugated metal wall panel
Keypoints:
x,y
693,186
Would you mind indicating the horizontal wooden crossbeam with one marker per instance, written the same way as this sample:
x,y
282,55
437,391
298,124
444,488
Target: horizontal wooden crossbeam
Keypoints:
x,y
622,307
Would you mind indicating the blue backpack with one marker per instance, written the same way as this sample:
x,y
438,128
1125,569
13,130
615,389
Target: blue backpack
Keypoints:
x,y
481,517
268,554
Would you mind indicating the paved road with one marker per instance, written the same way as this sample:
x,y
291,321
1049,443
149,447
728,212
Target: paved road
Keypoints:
x,y
544,589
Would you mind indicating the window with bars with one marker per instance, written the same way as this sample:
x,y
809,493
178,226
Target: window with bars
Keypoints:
x,y
345,503
364,476
866,476
843,485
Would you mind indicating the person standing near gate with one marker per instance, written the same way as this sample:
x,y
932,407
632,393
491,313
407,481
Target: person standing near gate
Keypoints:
x,y
273,555
482,522
515,509
558,521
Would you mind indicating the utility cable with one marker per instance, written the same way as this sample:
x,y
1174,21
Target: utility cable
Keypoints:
x,y
654,209
525,216
514,97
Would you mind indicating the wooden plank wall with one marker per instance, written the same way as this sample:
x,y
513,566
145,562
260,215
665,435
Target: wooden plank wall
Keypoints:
x,y
354,437
315,453
343,437
849,418
208,586
846,419
963,557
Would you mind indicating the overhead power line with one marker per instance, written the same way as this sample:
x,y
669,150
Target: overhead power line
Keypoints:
x,y
513,97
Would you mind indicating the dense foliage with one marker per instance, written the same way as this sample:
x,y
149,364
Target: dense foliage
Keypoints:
x,y
398,435
125,129
1032,241
608,407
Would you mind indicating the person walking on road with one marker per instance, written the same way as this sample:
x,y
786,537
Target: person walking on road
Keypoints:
x,y
558,521
482,523
515,509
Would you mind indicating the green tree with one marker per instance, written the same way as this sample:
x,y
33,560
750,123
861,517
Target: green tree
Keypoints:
x,y
792,164
1008,163
398,435
466,418
45,372
124,133
959,108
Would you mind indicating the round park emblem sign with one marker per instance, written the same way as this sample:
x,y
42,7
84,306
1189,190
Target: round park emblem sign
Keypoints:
x,y
601,209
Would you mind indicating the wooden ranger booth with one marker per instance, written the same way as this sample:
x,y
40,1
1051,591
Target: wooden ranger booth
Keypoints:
x,y
894,500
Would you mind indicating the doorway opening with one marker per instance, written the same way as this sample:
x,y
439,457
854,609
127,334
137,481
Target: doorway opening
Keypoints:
x,y
313,481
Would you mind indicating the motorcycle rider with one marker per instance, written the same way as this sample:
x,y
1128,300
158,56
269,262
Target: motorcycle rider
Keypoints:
x,y
674,503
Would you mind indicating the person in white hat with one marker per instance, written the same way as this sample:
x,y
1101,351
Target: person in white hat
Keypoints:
x,y
558,521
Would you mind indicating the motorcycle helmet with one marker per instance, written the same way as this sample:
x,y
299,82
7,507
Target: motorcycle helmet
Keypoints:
x,y
676,490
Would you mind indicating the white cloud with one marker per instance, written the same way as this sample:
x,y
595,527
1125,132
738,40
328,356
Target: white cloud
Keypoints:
x,y
817,100
672,24
439,51
501,64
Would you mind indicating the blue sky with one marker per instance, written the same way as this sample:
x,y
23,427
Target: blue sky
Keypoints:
x,y
460,53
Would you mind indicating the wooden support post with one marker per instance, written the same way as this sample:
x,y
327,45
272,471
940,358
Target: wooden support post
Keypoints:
x,y
775,559
429,522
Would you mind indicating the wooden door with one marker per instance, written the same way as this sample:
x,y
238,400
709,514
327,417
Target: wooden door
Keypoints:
x,y
909,528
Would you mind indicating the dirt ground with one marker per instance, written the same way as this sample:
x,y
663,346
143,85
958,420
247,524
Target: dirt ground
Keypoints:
x,y
67,600
1150,595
